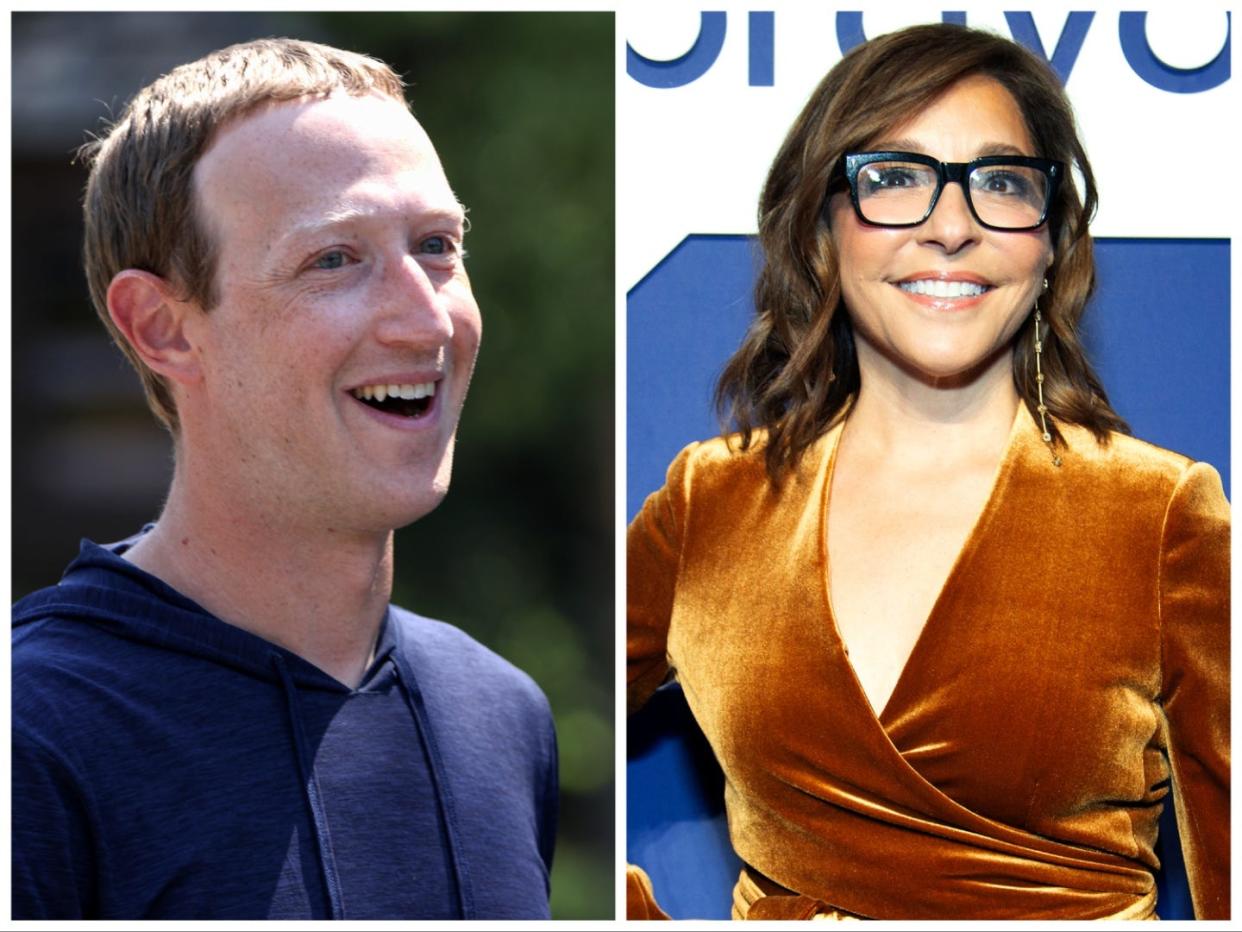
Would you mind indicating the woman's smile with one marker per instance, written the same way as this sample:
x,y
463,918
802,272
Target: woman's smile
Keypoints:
x,y
945,290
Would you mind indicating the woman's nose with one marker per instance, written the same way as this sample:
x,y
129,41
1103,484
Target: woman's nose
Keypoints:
x,y
951,225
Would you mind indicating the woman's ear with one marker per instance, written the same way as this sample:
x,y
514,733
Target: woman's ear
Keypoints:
x,y
144,308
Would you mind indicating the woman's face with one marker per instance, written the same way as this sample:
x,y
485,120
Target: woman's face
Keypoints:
x,y
943,338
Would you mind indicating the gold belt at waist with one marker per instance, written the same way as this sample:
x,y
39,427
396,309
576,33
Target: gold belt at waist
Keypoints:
x,y
757,897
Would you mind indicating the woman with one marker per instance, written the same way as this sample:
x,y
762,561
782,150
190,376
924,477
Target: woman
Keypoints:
x,y
948,629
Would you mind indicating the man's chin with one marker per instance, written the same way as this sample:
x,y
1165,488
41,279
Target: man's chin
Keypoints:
x,y
398,504
414,513
376,514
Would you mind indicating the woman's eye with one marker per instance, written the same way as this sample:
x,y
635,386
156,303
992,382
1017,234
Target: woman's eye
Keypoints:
x,y
331,260
892,178
1004,182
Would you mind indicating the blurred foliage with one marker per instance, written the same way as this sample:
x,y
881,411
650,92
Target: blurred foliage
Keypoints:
x,y
520,108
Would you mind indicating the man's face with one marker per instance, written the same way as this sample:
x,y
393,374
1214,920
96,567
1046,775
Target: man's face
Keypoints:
x,y
340,275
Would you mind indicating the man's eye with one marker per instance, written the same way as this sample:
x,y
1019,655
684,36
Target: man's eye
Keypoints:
x,y
331,260
437,245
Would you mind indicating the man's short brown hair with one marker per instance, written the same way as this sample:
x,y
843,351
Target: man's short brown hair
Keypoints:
x,y
140,210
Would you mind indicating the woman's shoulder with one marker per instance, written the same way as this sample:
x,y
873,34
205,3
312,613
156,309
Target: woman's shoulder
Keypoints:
x,y
736,453
1137,465
729,457
732,459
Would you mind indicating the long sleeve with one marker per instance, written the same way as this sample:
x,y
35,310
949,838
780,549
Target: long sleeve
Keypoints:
x,y
549,802
653,554
51,856
1194,609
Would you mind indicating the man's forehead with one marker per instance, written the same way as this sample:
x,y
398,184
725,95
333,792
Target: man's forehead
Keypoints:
x,y
338,155
382,113
322,125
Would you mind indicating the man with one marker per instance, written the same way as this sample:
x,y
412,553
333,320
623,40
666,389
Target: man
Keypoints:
x,y
222,716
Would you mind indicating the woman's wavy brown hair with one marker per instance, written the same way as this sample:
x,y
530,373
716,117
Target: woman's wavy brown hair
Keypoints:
x,y
797,368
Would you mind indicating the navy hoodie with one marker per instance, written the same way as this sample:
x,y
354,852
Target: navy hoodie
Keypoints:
x,y
169,765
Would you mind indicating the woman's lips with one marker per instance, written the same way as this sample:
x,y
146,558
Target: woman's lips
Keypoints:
x,y
954,290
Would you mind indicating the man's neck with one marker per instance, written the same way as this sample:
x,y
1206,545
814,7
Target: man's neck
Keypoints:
x,y
318,592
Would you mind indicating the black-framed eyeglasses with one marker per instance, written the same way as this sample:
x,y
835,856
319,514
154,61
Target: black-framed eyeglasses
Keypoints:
x,y
900,189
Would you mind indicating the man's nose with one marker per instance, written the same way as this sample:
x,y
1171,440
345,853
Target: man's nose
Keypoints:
x,y
951,225
414,311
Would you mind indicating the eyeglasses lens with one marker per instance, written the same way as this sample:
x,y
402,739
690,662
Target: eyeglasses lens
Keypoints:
x,y
1009,196
1004,196
896,192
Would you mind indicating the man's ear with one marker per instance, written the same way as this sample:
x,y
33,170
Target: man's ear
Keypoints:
x,y
145,309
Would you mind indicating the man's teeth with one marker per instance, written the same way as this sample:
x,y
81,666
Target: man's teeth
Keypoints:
x,y
941,289
407,391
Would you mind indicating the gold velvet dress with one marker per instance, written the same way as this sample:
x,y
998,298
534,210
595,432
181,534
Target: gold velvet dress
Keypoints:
x,y
1077,658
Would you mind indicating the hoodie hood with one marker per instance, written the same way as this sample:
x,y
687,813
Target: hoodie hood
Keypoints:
x,y
101,588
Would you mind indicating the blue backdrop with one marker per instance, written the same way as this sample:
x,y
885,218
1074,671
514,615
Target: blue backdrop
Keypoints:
x,y
1158,332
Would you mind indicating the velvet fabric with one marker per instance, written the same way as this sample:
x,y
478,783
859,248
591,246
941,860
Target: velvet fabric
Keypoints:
x,y
1076,659
757,897
640,901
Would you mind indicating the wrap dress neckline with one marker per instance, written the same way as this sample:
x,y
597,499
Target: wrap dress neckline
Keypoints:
x,y
895,748
930,635
937,635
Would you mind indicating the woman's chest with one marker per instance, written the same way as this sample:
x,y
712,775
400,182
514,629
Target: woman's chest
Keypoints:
x,y
1030,688
890,552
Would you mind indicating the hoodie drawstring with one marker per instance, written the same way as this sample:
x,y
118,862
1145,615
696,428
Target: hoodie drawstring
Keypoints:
x,y
310,786
414,699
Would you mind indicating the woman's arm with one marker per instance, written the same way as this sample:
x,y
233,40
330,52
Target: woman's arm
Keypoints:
x,y
653,558
1194,621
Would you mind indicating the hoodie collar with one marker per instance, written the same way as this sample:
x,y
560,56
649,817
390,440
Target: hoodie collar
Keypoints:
x,y
102,588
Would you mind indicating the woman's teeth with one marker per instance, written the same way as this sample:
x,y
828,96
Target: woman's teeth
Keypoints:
x,y
936,288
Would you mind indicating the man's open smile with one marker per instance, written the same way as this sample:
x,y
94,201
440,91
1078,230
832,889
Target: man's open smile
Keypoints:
x,y
408,399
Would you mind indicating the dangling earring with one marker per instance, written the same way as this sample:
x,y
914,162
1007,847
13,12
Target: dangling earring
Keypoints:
x,y
1039,383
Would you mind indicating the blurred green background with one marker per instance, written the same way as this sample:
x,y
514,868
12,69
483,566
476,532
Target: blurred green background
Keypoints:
x,y
520,107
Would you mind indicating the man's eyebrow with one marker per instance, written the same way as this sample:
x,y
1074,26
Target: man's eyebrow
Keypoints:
x,y
344,216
